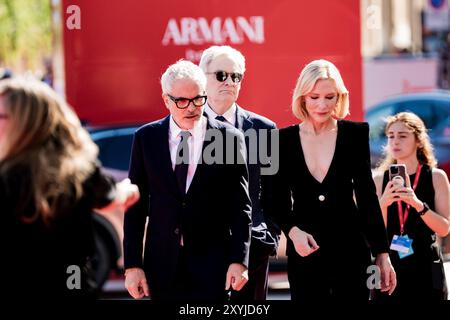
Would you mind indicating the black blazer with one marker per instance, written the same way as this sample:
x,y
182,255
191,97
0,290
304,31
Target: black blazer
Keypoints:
x,y
337,220
215,232
265,233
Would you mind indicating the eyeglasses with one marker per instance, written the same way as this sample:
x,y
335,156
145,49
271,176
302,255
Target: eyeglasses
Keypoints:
x,y
183,103
222,76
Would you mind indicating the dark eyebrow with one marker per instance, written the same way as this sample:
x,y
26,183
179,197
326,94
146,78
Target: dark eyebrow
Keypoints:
x,y
327,94
391,132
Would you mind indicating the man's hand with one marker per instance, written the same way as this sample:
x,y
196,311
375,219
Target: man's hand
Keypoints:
x,y
136,283
237,276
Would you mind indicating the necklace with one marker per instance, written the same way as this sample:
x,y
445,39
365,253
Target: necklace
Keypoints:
x,y
313,133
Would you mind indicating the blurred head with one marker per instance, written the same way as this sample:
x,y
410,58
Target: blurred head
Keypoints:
x,y
225,68
40,131
183,91
320,93
36,115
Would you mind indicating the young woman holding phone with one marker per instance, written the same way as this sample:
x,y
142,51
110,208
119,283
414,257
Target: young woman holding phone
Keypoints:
x,y
414,214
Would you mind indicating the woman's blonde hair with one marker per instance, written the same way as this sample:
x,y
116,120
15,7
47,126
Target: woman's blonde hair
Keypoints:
x,y
45,137
313,71
424,151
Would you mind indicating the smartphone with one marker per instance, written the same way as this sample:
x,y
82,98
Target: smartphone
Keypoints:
x,y
397,174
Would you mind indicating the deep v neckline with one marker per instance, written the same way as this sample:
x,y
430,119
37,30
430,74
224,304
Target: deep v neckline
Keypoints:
x,y
333,159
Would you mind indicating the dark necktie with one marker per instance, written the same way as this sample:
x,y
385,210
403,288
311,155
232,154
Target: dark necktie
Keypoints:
x,y
182,161
221,118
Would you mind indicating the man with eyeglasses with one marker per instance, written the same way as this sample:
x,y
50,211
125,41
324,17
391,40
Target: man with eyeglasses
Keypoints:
x,y
225,68
196,244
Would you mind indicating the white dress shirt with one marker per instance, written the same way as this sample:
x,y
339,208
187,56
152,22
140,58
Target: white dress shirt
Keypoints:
x,y
229,115
195,142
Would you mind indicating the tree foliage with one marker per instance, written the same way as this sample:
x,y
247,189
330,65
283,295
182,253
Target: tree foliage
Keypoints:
x,y
25,32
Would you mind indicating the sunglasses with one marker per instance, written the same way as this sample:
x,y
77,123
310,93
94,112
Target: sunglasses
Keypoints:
x,y
183,103
222,76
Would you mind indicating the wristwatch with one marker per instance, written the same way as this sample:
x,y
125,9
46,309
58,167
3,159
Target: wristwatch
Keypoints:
x,y
424,210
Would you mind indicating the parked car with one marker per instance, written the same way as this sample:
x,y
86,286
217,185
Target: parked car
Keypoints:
x,y
432,107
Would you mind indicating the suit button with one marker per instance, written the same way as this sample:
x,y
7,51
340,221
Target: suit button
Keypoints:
x,y
176,231
321,197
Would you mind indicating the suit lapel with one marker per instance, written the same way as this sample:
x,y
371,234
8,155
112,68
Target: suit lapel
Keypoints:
x,y
243,124
163,153
242,121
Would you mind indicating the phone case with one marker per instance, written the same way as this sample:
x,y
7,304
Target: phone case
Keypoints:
x,y
397,173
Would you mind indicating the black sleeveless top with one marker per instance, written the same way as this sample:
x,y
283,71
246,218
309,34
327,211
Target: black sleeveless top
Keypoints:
x,y
423,237
420,276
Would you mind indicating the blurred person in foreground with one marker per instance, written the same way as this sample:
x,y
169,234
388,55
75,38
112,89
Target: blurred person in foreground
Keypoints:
x,y
196,242
224,67
324,161
417,211
50,182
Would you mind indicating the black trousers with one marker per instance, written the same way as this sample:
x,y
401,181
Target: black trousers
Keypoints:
x,y
185,288
318,277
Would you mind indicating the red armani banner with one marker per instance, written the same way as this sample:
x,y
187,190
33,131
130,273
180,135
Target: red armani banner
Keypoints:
x,y
117,50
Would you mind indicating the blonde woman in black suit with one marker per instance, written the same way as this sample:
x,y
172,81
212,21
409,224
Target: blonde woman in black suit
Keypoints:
x,y
324,161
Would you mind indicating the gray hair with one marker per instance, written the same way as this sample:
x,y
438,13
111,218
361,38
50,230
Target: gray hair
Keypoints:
x,y
182,69
213,52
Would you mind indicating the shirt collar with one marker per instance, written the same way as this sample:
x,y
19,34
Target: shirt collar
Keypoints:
x,y
229,115
196,131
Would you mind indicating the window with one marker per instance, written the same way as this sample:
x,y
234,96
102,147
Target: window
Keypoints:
x,y
425,109
377,120
442,113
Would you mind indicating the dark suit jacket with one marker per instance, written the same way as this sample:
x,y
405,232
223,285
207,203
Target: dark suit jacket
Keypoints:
x,y
215,232
265,233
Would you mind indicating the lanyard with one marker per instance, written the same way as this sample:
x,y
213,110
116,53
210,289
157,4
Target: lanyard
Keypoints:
x,y
403,217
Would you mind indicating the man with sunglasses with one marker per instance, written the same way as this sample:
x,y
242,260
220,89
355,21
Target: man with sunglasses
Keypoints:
x,y
224,67
196,244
